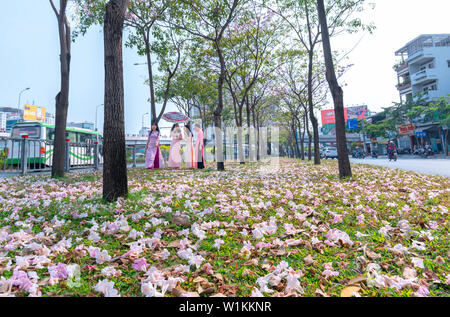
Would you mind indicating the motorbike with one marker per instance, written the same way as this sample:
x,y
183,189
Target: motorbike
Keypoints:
x,y
392,156
426,152
374,155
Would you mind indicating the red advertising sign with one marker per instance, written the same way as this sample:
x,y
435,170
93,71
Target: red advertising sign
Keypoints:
x,y
406,129
328,116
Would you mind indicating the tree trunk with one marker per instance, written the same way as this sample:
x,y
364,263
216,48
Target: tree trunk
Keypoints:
x,y
218,112
62,98
247,108
446,142
254,151
150,78
240,145
115,166
257,137
303,137
294,131
338,96
312,117
219,143
309,138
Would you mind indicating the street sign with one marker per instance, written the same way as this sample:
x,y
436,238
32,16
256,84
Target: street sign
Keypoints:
x,y
421,134
352,124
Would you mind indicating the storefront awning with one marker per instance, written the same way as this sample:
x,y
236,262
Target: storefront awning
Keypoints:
x,y
424,128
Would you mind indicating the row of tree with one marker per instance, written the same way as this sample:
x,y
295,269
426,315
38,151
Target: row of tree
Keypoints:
x,y
238,62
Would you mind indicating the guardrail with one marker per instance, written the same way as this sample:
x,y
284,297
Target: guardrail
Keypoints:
x,y
24,155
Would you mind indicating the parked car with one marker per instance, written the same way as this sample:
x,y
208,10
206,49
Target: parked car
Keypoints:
x,y
330,152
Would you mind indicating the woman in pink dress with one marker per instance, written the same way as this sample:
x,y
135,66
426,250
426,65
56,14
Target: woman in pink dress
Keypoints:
x,y
153,155
199,151
188,149
175,147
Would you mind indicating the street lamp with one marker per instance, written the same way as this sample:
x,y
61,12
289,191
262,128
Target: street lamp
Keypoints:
x,y
96,110
143,119
152,63
18,104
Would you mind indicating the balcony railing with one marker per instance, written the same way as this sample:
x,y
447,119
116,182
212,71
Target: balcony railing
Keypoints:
x,y
431,94
419,75
426,74
404,86
399,68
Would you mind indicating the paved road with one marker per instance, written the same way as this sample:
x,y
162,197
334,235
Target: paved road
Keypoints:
x,y
426,166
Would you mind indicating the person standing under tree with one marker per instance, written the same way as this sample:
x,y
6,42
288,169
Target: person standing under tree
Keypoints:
x,y
153,155
175,147
199,147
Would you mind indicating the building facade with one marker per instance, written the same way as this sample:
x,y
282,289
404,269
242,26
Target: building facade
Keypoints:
x,y
424,67
49,118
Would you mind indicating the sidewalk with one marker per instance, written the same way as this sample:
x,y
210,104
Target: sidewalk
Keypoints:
x,y
434,157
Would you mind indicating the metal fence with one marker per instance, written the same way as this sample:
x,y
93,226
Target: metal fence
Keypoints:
x,y
23,155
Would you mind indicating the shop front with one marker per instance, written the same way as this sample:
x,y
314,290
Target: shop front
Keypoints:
x,y
430,134
379,145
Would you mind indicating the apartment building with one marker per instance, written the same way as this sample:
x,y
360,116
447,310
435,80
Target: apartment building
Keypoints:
x,y
424,67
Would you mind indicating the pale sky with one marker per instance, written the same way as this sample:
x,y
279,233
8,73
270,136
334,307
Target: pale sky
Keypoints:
x,y
372,80
29,57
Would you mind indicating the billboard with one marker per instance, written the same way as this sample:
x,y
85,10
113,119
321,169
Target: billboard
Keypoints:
x,y
405,129
34,113
328,116
358,112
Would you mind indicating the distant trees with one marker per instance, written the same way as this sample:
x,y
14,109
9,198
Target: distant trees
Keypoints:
x,y
249,49
208,21
147,34
237,62
305,26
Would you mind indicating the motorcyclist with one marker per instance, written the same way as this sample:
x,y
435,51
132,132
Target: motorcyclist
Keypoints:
x,y
428,150
391,149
